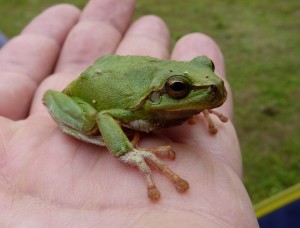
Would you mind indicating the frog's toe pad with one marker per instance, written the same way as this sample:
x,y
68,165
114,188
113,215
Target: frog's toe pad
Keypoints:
x,y
153,193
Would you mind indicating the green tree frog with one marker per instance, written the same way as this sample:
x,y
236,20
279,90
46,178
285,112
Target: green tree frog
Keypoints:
x,y
139,93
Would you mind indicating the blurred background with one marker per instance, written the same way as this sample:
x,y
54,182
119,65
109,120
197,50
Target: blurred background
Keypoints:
x,y
261,44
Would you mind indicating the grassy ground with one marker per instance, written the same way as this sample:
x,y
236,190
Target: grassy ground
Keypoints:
x,y
261,43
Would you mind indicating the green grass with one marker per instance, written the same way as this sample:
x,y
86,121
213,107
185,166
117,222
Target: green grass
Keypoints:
x,y
261,44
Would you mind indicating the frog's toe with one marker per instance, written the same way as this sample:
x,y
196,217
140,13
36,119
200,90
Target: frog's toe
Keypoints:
x,y
163,151
211,125
160,151
138,158
153,193
135,158
182,185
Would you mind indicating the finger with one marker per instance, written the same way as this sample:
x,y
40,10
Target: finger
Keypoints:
x,y
148,36
192,45
98,33
30,57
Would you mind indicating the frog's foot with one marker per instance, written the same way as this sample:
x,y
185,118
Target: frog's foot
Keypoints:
x,y
211,125
139,158
160,151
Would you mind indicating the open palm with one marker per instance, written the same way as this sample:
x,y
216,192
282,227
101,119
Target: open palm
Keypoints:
x,y
49,178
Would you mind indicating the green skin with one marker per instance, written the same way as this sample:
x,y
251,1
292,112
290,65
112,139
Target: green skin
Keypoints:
x,y
131,91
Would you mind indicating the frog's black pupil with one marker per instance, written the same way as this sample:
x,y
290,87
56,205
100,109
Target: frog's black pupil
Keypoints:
x,y
178,86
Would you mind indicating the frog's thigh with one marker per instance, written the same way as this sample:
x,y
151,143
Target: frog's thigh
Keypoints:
x,y
73,113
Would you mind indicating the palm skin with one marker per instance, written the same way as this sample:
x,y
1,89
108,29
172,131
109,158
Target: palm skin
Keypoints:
x,y
49,178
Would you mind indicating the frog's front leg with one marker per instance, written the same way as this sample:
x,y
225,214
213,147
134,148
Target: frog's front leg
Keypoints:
x,y
139,157
120,146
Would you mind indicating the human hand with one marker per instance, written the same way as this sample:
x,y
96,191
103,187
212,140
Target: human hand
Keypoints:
x,y
49,178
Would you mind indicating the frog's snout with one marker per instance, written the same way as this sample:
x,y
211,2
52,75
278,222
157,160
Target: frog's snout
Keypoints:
x,y
219,93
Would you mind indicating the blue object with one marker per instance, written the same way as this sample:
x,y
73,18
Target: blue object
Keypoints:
x,y
284,217
3,39
281,210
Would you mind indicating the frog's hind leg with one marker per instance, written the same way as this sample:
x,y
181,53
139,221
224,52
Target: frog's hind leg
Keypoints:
x,y
94,139
74,116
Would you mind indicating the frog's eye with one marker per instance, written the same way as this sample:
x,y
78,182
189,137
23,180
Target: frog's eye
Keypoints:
x,y
177,87
212,66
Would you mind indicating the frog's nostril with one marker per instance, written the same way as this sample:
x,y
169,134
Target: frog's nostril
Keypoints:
x,y
214,88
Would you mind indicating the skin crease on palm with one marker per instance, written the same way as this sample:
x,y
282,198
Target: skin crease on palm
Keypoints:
x,y
50,179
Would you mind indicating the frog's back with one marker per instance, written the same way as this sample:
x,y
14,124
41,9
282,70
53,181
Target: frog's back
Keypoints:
x,y
115,81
